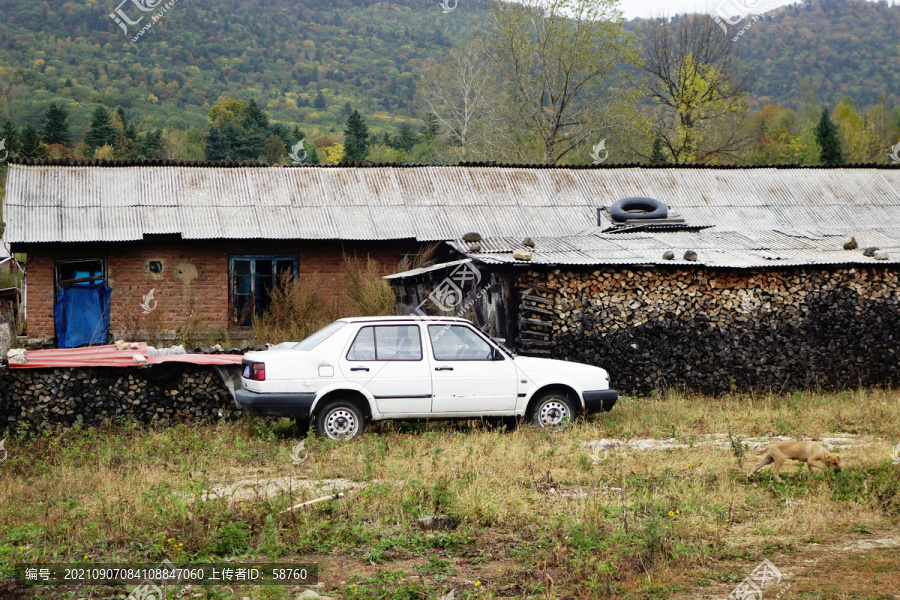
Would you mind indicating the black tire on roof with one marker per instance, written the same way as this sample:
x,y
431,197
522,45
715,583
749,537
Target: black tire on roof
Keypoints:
x,y
650,208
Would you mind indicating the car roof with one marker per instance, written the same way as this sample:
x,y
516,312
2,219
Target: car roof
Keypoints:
x,y
404,319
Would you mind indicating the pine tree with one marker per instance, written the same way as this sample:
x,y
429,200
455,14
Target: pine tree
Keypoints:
x,y
31,145
128,129
10,137
656,155
356,138
216,145
827,138
347,110
150,145
56,126
431,127
101,132
406,138
319,102
257,115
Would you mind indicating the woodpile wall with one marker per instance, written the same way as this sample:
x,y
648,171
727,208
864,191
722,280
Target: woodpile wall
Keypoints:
x,y
712,331
161,395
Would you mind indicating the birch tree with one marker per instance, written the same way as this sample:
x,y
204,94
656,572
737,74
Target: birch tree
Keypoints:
x,y
461,95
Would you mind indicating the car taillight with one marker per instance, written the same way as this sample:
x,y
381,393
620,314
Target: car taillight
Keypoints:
x,y
255,371
258,372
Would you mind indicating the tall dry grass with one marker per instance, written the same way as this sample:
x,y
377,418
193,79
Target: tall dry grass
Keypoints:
x,y
599,525
298,308
369,294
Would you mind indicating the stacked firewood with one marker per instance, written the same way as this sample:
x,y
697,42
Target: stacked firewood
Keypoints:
x,y
718,330
158,395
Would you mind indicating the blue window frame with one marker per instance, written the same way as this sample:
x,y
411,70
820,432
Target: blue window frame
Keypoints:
x,y
251,281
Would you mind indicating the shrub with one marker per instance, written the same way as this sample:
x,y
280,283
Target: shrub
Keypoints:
x,y
297,309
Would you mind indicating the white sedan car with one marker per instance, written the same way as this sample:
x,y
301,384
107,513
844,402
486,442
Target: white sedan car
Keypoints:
x,y
372,368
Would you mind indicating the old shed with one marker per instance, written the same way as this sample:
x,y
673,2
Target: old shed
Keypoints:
x,y
749,287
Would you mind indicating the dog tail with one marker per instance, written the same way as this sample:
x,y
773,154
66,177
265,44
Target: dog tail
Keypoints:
x,y
762,450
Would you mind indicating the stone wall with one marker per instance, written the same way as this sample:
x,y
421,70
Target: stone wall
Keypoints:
x,y
159,395
711,331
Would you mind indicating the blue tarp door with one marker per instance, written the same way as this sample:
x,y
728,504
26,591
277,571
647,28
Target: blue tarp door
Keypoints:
x,y
82,315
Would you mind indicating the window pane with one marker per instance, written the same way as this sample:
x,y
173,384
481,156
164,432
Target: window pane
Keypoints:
x,y
263,267
79,269
242,267
363,347
458,343
253,279
284,266
398,342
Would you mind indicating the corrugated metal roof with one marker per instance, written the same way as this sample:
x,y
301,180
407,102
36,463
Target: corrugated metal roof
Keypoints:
x,y
714,248
50,201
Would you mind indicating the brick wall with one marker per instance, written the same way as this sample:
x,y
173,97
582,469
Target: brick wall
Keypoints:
x,y
192,286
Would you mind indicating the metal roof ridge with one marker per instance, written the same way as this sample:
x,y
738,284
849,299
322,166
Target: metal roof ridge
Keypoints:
x,y
94,162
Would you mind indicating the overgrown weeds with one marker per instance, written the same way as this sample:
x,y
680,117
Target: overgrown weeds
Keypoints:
x,y
298,308
518,499
370,295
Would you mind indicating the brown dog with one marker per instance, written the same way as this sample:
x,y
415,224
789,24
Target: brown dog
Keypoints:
x,y
812,453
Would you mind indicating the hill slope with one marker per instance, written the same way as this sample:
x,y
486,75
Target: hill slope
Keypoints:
x,y
363,52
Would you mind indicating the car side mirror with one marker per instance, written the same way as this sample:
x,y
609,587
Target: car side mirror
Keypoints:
x,y
496,354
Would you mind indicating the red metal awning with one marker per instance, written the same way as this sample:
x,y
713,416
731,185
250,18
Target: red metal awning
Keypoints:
x,y
111,356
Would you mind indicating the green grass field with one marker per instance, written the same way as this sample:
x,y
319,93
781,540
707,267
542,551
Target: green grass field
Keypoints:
x,y
670,513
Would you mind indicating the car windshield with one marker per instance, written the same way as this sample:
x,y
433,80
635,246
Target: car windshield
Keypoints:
x,y
313,340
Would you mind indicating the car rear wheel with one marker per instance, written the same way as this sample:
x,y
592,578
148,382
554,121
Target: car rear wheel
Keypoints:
x,y
340,420
552,409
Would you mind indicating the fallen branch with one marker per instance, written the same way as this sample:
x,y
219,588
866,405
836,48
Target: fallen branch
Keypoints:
x,y
337,496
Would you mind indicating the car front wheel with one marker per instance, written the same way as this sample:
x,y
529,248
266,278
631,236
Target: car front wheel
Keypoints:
x,y
340,420
552,409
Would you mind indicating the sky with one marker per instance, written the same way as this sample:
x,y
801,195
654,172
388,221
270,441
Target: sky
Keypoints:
x,y
650,8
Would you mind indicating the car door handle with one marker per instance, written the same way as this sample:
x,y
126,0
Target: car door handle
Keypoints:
x,y
359,369
443,368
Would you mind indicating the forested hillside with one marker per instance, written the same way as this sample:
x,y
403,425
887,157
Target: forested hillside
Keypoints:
x,y
360,51
308,64
280,53
845,47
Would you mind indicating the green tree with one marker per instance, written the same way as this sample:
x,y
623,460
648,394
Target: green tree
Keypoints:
x,y
356,138
128,129
257,116
406,138
56,125
11,136
150,145
699,89
431,128
238,131
31,144
319,102
828,141
275,153
217,146
656,153
565,62
126,146
347,110
101,132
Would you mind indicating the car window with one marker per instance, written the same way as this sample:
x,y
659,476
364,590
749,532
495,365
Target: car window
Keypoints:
x,y
315,339
458,342
387,342
363,347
